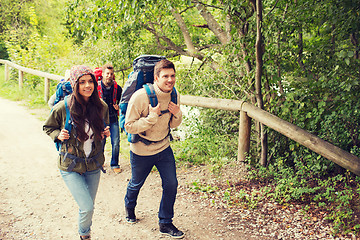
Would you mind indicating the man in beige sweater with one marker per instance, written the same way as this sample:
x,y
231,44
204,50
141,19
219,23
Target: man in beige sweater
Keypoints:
x,y
153,124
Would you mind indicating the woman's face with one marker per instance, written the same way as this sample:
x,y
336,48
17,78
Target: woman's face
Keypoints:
x,y
86,86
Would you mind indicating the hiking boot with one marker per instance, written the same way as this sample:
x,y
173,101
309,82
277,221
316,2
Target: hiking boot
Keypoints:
x,y
170,229
85,237
130,215
117,170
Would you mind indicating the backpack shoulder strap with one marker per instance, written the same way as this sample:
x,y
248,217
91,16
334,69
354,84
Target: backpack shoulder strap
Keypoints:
x,y
99,89
149,88
63,86
174,95
68,121
115,92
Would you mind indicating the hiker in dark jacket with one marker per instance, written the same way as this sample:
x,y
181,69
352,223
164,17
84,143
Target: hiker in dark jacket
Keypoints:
x,y
81,155
110,92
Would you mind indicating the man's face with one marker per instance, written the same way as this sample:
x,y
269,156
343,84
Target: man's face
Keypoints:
x,y
166,79
108,77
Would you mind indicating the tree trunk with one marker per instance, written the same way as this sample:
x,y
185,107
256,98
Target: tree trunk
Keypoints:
x,y
355,42
258,75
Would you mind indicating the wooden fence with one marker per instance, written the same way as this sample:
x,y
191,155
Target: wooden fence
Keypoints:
x,y
47,76
247,112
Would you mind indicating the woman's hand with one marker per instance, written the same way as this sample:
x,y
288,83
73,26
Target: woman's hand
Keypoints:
x,y
106,132
64,135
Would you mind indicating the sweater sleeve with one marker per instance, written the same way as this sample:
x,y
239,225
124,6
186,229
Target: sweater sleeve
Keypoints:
x,y
138,119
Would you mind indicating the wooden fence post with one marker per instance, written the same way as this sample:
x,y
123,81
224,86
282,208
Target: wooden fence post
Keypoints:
x,y
244,136
21,79
46,89
7,72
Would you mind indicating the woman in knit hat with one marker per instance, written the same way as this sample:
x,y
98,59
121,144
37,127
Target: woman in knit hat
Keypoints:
x,y
81,155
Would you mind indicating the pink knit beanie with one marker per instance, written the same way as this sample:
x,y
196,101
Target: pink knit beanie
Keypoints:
x,y
78,71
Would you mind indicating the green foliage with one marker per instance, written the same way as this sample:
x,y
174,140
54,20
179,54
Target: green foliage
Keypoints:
x,y
338,194
198,187
206,146
3,51
203,144
310,75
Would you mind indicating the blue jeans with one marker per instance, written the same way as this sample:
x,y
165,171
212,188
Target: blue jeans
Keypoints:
x,y
140,169
83,188
115,143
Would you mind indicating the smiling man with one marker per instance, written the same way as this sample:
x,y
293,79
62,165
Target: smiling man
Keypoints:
x,y
153,124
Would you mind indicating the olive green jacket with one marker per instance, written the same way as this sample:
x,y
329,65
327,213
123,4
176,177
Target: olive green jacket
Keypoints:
x,y
53,126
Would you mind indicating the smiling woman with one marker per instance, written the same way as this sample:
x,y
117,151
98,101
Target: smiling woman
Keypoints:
x,y
81,152
86,86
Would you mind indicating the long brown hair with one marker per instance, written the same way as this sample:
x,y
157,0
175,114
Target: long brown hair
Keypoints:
x,y
90,111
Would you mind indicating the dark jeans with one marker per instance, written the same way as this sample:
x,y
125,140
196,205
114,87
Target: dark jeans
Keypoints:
x,y
140,169
115,144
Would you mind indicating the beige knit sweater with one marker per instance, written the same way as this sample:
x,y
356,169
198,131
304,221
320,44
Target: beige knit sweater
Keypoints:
x,y
150,126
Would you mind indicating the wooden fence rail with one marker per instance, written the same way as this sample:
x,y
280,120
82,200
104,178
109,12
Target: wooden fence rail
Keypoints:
x,y
247,111
47,76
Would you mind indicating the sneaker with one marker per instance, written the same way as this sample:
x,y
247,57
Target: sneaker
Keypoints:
x,y
130,215
85,237
117,170
170,229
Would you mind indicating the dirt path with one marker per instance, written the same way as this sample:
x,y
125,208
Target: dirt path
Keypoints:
x,y
35,203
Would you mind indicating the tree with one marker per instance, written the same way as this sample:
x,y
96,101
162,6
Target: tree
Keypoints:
x,y
225,36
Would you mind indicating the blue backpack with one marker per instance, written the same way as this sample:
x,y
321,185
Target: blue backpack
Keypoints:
x,y
141,76
62,89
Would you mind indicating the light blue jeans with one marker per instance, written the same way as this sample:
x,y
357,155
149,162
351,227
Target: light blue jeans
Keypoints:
x,y
83,187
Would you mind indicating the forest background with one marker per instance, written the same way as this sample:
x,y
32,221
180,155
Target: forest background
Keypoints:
x,y
297,59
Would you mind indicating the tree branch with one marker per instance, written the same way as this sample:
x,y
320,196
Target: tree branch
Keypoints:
x,y
167,40
180,21
272,8
212,23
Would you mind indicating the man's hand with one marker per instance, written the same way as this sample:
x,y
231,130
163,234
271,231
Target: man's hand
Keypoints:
x,y
173,108
106,132
116,106
155,109
64,135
